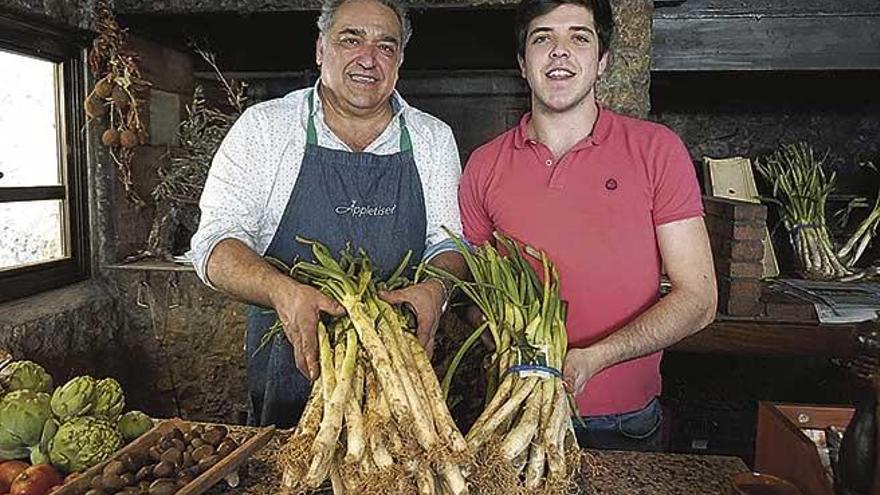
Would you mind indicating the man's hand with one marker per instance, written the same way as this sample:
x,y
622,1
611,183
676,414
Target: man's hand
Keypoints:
x,y
426,300
580,365
299,307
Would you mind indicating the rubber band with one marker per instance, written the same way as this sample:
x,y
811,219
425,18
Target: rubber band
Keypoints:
x,y
520,368
800,226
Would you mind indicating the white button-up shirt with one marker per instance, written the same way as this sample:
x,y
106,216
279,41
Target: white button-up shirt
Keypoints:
x,y
256,166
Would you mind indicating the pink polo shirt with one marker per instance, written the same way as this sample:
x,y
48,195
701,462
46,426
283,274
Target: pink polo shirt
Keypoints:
x,y
594,211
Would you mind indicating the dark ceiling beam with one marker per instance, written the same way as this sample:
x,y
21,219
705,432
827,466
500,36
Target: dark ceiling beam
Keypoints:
x,y
701,35
690,35
248,6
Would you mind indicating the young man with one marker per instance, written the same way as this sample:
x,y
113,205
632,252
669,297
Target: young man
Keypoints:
x,y
346,161
612,200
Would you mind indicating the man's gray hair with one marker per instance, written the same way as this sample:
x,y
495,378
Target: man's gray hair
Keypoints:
x,y
329,8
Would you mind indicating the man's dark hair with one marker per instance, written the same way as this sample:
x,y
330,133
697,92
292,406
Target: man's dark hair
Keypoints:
x,y
528,10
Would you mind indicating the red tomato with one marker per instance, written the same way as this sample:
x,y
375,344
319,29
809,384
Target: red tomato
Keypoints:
x,y
35,480
9,470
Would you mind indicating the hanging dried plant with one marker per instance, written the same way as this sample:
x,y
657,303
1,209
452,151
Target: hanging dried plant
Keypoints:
x,y
117,94
181,181
199,136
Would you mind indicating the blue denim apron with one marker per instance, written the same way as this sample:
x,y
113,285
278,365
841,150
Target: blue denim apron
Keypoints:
x,y
374,202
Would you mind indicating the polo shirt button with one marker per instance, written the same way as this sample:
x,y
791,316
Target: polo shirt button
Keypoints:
x,y
549,163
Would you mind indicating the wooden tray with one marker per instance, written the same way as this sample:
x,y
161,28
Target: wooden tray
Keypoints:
x,y
783,450
224,467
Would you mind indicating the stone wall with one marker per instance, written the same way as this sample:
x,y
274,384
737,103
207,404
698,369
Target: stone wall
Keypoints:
x,y
625,85
72,13
69,331
187,343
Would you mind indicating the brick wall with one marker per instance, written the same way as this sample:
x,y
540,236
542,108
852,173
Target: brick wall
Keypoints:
x,y
735,232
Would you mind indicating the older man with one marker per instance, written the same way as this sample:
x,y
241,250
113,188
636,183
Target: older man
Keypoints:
x,y
346,161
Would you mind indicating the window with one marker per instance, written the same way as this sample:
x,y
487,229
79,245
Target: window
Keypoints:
x,y
43,208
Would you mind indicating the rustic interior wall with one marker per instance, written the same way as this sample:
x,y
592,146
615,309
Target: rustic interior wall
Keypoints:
x,y
184,341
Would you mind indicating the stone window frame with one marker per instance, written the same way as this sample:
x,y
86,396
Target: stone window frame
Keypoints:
x,y
65,47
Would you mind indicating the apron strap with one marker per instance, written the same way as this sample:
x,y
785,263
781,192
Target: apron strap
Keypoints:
x,y
405,141
312,133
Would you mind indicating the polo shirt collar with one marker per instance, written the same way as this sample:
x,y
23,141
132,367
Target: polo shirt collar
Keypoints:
x,y
601,130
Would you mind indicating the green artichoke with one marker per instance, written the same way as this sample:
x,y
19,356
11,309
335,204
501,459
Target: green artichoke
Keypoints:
x,y
133,424
82,442
39,457
23,414
75,398
25,375
109,399
49,431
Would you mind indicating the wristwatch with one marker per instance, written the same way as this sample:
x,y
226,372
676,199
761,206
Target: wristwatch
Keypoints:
x,y
448,287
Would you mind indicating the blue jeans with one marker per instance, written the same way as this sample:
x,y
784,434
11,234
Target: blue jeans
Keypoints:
x,y
636,430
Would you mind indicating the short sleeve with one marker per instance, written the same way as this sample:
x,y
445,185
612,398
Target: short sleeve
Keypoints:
x,y
676,190
475,219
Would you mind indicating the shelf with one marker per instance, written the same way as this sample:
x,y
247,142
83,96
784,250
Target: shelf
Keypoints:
x,y
153,265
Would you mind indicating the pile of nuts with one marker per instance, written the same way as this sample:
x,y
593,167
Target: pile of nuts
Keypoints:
x,y
177,459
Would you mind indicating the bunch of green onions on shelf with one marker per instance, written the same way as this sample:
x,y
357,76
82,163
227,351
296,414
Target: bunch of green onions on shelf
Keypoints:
x,y
524,439
801,187
376,421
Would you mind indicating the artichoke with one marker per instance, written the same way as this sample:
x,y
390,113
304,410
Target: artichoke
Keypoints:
x,y
109,399
39,457
25,375
23,414
40,453
49,431
82,442
75,398
133,424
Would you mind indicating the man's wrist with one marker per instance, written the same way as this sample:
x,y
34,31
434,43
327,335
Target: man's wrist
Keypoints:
x,y
590,359
280,286
446,288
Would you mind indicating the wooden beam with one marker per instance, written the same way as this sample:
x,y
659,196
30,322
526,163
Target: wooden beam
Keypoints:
x,y
754,42
771,339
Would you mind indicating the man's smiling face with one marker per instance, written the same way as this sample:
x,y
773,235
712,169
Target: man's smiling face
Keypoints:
x,y
360,55
561,61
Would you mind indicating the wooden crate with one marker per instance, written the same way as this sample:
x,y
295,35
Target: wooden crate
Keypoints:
x,y
224,467
782,449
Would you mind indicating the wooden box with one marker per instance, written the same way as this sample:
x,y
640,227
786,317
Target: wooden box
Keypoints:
x,y
226,466
783,450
